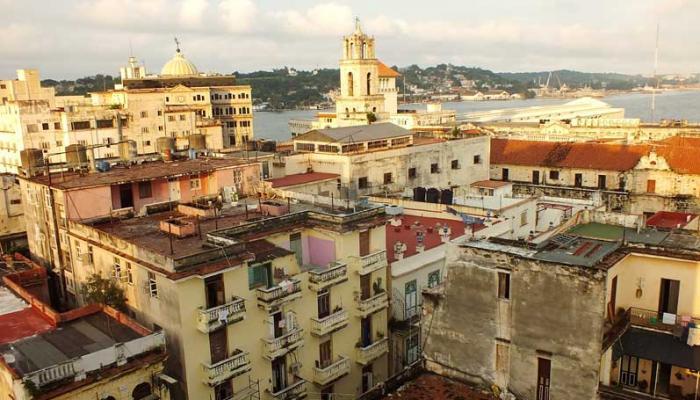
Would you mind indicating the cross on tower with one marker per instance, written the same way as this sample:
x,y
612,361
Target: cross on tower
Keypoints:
x,y
177,45
357,25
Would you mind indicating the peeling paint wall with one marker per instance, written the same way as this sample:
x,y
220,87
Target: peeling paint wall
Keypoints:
x,y
554,312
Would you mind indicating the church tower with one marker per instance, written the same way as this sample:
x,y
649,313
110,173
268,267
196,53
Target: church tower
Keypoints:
x,y
359,80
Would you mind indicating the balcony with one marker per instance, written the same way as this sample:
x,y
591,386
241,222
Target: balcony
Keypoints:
x,y
371,262
296,390
329,324
279,346
366,355
373,304
211,319
332,372
231,367
320,279
279,294
647,319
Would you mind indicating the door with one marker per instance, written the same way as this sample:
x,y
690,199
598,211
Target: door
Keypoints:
x,y
214,291
126,195
663,379
324,304
296,246
278,323
613,298
578,180
504,174
628,371
536,177
279,376
218,346
601,182
651,186
366,331
410,299
668,296
223,391
367,378
412,348
364,243
365,286
174,189
324,352
544,367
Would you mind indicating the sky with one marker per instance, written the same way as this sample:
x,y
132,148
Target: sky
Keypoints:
x,y
68,39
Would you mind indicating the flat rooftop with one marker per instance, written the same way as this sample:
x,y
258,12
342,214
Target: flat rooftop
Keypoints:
x,y
428,386
301,179
70,340
136,173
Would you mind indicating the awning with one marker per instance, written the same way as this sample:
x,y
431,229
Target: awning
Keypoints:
x,y
657,346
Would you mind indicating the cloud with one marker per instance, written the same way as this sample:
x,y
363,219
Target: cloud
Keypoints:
x,y
238,16
324,19
192,12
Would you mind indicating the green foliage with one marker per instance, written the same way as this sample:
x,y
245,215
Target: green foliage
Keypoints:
x,y
576,79
82,86
104,291
371,117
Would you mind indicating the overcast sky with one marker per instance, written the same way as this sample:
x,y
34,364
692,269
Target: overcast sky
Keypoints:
x,y
74,38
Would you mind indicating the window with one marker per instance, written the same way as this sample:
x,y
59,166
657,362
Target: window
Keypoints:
x,y
117,269
195,184
504,285
129,275
59,143
377,144
578,180
387,178
349,148
651,186
182,117
523,218
400,141
554,175
144,129
536,177
434,278
152,285
327,148
306,147
90,255
32,128
160,113
362,183
601,182
454,164
257,275
160,128
105,123
434,169
171,118
477,159
505,174
56,125
144,114
145,190
412,173
45,126
502,357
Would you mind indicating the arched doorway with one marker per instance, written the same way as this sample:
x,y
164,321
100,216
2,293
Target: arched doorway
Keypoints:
x,y
351,85
141,391
369,80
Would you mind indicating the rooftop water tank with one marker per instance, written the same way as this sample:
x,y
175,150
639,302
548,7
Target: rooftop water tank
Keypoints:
x,y
76,156
32,160
197,142
127,150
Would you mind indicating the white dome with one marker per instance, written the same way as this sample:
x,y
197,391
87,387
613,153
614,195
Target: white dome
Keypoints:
x,y
179,65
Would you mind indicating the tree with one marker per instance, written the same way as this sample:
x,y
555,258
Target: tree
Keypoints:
x,y
104,291
371,117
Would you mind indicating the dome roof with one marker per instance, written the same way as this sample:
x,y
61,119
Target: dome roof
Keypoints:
x,y
179,65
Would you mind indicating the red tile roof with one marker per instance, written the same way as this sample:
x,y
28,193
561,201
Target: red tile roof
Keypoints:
x,y
670,219
299,179
435,387
406,233
680,153
386,71
608,157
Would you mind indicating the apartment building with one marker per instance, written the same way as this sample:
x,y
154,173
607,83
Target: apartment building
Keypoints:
x,y
13,234
603,309
640,179
181,102
272,299
385,158
87,352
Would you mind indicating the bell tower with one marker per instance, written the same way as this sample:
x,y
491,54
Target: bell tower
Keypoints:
x,y
359,80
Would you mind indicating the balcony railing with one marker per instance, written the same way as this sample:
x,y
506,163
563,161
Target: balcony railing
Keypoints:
x,y
211,319
321,279
233,366
332,372
282,293
655,320
296,390
331,323
279,346
366,355
371,262
373,304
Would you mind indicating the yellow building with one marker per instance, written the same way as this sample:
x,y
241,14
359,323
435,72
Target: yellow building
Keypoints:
x,y
255,299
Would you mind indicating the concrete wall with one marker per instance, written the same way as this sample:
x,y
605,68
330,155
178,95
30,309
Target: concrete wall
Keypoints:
x,y
554,312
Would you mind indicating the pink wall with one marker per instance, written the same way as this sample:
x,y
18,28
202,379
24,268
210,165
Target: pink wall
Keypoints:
x,y
88,203
321,251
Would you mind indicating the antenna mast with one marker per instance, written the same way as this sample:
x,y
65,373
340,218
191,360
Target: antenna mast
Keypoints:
x,y
656,84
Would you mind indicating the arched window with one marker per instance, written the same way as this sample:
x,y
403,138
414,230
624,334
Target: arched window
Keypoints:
x,y
347,112
141,391
364,50
369,80
351,84
352,50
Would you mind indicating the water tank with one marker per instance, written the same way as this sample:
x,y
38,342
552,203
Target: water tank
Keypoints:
x,y
76,156
32,160
446,196
127,150
419,194
432,195
197,142
102,165
165,146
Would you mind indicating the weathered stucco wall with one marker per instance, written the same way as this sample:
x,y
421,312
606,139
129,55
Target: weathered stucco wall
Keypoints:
x,y
554,312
